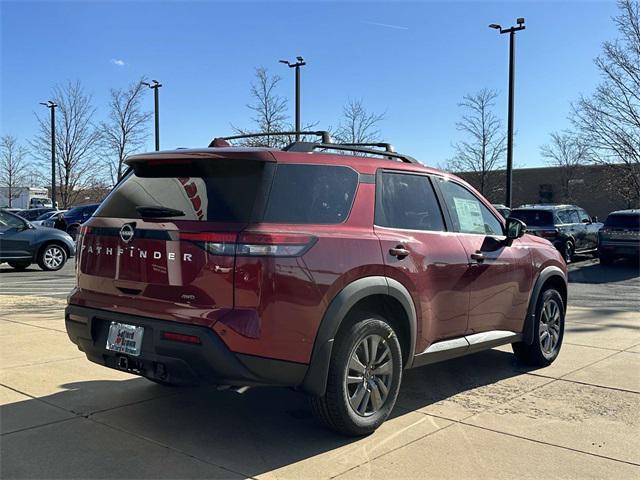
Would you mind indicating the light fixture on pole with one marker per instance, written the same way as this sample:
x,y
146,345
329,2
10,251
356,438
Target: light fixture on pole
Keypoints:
x,y
299,63
512,69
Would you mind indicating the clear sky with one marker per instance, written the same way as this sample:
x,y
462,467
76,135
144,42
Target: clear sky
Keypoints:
x,y
412,60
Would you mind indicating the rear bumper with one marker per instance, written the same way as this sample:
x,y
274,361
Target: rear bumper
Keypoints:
x,y
209,362
620,248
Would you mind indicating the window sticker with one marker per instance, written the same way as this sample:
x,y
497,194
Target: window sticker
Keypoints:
x,y
469,215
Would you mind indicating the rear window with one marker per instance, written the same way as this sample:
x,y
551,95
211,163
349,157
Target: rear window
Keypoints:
x,y
631,222
234,191
533,218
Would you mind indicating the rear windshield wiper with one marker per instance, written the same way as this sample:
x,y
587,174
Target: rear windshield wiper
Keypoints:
x,y
157,211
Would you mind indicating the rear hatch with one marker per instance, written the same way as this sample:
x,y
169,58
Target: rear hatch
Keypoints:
x,y
164,240
621,228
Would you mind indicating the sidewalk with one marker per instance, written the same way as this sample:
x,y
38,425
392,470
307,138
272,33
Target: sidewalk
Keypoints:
x,y
482,416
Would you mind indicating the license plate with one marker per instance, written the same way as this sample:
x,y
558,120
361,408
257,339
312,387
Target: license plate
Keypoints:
x,y
125,338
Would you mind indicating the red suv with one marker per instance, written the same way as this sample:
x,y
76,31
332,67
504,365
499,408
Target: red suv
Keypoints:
x,y
325,267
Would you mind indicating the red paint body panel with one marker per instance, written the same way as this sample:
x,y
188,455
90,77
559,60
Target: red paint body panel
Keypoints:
x,y
273,306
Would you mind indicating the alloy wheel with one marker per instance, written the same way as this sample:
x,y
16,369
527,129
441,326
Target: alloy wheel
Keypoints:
x,y
369,375
53,257
549,330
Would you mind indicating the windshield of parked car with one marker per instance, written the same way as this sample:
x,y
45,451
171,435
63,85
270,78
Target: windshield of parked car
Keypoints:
x,y
533,218
8,221
631,222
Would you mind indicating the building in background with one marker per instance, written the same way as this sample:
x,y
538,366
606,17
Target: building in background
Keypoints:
x,y
598,189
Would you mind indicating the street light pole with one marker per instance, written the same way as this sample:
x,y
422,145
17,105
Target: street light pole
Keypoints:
x,y
52,106
512,72
300,62
155,86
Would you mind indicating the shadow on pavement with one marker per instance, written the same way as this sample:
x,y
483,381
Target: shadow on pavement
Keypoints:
x,y
259,431
597,273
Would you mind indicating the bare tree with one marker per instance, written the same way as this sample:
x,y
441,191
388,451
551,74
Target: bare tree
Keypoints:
x,y
269,111
77,141
13,169
568,152
126,129
358,125
483,149
609,119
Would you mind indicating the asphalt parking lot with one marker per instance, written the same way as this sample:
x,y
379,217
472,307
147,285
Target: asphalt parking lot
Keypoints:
x,y
482,416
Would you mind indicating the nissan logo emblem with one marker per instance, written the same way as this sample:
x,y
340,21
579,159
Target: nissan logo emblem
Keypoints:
x,y
126,233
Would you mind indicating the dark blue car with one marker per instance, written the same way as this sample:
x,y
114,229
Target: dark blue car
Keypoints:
x,y
22,244
72,219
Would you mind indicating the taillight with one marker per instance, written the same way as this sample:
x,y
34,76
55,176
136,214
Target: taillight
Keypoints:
x,y
181,337
262,244
216,243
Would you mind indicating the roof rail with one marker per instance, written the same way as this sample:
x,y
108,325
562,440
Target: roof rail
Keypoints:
x,y
310,147
326,136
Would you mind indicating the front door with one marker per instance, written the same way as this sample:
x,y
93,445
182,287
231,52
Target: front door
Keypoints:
x,y
499,275
419,253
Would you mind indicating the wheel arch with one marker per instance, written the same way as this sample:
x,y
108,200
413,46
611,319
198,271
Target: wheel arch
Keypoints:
x,y
368,293
549,276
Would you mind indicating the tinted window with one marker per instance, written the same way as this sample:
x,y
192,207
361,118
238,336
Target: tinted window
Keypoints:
x,y
8,221
568,216
631,222
407,201
468,213
583,216
212,190
311,194
534,218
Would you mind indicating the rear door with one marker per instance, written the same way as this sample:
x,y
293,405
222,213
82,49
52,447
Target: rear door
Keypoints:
x,y
422,255
499,276
168,233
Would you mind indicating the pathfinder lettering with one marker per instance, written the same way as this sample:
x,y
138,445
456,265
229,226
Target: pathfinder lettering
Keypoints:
x,y
155,254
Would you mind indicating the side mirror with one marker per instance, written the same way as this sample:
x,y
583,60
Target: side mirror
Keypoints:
x,y
594,219
514,229
586,220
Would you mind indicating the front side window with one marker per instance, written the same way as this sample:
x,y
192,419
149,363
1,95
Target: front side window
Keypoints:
x,y
568,216
468,213
408,202
583,216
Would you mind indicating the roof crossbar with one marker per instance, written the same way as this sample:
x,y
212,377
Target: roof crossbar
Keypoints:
x,y
326,136
387,146
310,147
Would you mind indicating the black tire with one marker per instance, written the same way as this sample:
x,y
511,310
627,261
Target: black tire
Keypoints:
x,y
47,254
568,251
334,408
19,265
535,353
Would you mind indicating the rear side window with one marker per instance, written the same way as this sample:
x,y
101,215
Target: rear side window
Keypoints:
x,y
302,194
468,213
534,218
407,201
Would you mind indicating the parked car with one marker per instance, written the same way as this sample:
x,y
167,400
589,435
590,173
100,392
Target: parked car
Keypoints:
x,y
22,244
568,227
55,220
620,236
326,272
75,217
34,213
502,209
40,221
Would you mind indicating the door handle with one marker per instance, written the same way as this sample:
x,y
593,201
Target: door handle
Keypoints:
x,y
400,252
478,257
